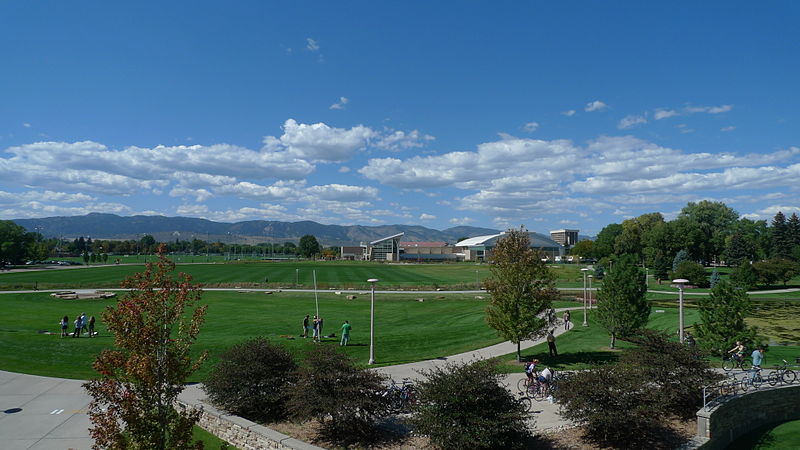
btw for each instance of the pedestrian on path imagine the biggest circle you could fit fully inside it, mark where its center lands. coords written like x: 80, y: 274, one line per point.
x: 345, y: 333
x: 566, y: 320
x: 551, y: 343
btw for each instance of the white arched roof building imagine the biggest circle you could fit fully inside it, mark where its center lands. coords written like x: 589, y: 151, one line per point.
x: 479, y: 248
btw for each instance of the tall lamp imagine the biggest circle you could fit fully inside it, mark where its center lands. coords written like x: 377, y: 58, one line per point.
x: 585, y: 323
x: 680, y: 282
x: 372, y: 322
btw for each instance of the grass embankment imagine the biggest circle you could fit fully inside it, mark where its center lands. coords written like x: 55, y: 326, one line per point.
x: 770, y: 437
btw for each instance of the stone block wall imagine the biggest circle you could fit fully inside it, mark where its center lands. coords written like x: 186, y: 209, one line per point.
x: 725, y: 422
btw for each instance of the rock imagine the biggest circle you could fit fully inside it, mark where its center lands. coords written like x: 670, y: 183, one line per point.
x: 351, y: 297
x: 420, y: 299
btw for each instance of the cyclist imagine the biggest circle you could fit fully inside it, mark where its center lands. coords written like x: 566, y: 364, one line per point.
x: 738, y: 351
x: 530, y: 370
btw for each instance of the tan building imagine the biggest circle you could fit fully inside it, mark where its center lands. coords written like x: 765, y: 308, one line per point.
x: 567, y: 238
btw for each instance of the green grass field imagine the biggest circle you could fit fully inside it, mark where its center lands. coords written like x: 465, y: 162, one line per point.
x: 406, y: 329
x: 337, y: 274
x: 771, y: 437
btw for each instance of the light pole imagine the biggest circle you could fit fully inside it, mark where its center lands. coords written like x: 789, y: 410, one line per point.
x: 590, y: 291
x: 646, y: 275
x: 585, y: 323
x: 372, y: 322
x: 477, y: 283
x: 680, y: 282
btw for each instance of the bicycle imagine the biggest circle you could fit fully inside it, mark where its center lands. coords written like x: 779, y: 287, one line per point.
x: 731, y: 362
x: 754, y: 381
x: 782, y: 375
x: 400, y: 397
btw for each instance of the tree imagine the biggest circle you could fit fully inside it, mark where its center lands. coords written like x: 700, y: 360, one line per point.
x: 154, y: 327
x: 739, y: 247
x: 584, y: 249
x: 692, y: 271
x: 604, y: 244
x: 781, y: 239
x: 464, y: 406
x: 714, y: 220
x: 715, y: 278
x: 308, y: 246
x: 345, y: 399
x: 661, y: 266
x: 622, y: 304
x: 793, y: 235
x: 775, y: 269
x: 147, y: 242
x: 722, y: 318
x: 521, y: 288
x: 252, y: 379
x: 744, y: 276
x: 16, y: 244
x: 680, y: 257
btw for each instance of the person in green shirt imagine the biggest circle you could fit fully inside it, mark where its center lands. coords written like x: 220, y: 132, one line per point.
x: 345, y: 333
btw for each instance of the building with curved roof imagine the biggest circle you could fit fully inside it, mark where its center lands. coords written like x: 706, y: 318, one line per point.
x: 479, y: 248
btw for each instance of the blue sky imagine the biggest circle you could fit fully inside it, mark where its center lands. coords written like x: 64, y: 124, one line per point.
x: 494, y: 114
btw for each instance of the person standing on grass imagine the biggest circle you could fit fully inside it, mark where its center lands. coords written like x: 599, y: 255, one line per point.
x: 84, y: 322
x: 566, y: 320
x: 91, y: 326
x: 315, y: 330
x: 345, y: 333
x: 78, y: 326
x: 64, y: 326
x: 305, y: 327
x: 320, y: 328
x: 551, y: 343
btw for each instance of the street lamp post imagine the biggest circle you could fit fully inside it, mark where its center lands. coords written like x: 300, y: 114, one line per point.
x: 590, y: 291
x: 477, y: 283
x: 585, y: 323
x: 680, y: 282
x: 372, y: 322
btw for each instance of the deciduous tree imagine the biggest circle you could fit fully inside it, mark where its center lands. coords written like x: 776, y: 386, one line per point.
x: 722, y: 315
x: 154, y: 327
x: 308, y: 246
x: 521, y: 288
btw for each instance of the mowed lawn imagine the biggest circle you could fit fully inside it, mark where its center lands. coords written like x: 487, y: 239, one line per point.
x: 336, y: 274
x: 406, y: 329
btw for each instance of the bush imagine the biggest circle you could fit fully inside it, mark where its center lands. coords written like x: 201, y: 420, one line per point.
x: 463, y: 406
x: 692, y: 271
x: 744, y: 276
x: 614, y: 403
x: 251, y: 380
x: 678, y: 370
x: 347, y: 401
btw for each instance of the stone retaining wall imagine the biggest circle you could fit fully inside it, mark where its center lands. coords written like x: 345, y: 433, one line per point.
x: 242, y: 433
x: 722, y: 424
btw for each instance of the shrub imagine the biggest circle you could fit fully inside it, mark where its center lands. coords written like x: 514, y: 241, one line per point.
x: 613, y: 403
x: 251, y: 380
x: 744, y: 276
x: 679, y: 371
x: 346, y: 400
x: 463, y: 406
x: 692, y: 271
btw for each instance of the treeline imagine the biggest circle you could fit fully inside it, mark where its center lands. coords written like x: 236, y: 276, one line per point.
x: 706, y: 233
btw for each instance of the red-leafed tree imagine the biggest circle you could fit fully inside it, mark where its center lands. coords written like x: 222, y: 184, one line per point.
x: 154, y: 327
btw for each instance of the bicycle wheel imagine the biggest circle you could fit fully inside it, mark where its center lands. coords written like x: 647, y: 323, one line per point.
x: 773, y: 378
x: 789, y: 376
x: 537, y: 392
x: 745, y: 365
x: 526, y: 403
x: 522, y: 384
x: 745, y: 384
x: 757, y: 381
x: 728, y: 364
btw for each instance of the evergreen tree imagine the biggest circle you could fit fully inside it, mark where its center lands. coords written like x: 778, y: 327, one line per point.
x: 744, y: 276
x: 680, y: 257
x: 793, y: 231
x: 622, y: 305
x: 722, y: 318
x: 781, y: 240
x: 715, y: 278
x: 661, y: 266
x: 521, y: 287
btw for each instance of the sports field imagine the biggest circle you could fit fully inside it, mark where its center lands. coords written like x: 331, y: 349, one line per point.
x: 338, y: 274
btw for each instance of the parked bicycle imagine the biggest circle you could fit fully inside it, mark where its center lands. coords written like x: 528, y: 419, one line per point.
x: 401, y: 396
x: 752, y: 381
x: 782, y: 375
x: 731, y: 362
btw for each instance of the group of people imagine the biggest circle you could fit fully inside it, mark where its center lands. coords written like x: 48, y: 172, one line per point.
x: 757, y: 356
x: 82, y: 325
x: 544, y: 376
x: 315, y: 326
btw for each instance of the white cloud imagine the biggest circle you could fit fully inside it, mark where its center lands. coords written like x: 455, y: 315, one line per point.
x: 312, y: 45
x: 26, y: 125
x: 461, y: 220
x: 340, y: 104
x: 425, y: 216
x: 319, y: 142
x: 709, y: 109
x: 596, y: 105
x: 343, y: 193
x: 630, y: 121
x: 659, y: 114
x: 400, y: 140
x: 344, y: 169
x: 728, y: 128
x: 530, y: 127
x: 569, y: 112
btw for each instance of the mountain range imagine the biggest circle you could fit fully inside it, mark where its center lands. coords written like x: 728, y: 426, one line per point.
x: 162, y: 228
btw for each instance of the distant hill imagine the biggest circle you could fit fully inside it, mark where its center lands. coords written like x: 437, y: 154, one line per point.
x: 111, y: 226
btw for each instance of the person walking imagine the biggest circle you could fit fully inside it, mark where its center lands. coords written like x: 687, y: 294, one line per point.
x: 305, y: 327
x: 91, y: 326
x: 551, y: 343
x: 566, y: 320
x: 346, y: 327
x: 64, y: 326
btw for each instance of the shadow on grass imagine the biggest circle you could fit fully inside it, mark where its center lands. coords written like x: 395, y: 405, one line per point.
x: 590, y: 358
